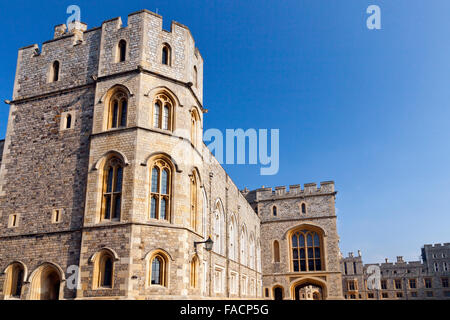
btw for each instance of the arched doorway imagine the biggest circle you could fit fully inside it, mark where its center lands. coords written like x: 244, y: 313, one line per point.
x: 278, y: 293
x: 308, y: 291
x: 46, y: 283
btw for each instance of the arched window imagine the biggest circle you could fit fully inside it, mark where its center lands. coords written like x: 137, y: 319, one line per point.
x: 195, y: 77
x: 112, y: 189
x: 276, y: 251
x: 303, y: 208
x: 166, y: 55
x: 162, y: 112
x: 233, y: 239
x: 54, y: 73
x: 306, y: 251
x: 122, y: 51
x: 278, y: 293
x: 160, y: 197
x: 118, y: 110
x: 251, y: 256
x: 195, y: 120
x: 243, y: 244
x: 14, y: 280
x: 104, y: 270
x: 258, y: 256
x: 194, y: 201
x: 158, y: 270
x: 274, y: 211
x: 194, y: 273
x: 436, y: 267
x: 205, y: 213
x: 69, y: 121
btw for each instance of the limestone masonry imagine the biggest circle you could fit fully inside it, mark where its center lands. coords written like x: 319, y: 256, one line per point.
x: 107, y: 190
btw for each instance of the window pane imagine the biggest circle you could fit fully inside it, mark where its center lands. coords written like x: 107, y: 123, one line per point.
x: 294, y: 241
x: 117, y: 206
x: 317, y: 252
x: 303, y: 265
x: 166, y: 118
x: 156, y: 271
x: 153, y: 208
x: 69, y: 122
x: 295, y: 254
x: 110, y: 179
x: 107, y: 274
x: 115, y: 114
x: 302, y: 254
x: 164, y: 182
x: 318, y: 265
x: 310, y: 241
x: 310, y: 253
x: 123, y: 118
x: 316, y: 240
x: 155, y: 180
x: 163, y: 209
x: 156, y: 115
x: 118, y: 187
x: 107, y: 206
x: 302, y: 240
x: 296, y: 269
x: 311, y: 265
x: 165, y: 55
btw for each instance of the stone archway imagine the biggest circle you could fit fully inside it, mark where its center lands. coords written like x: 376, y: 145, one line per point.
x: 308, y: 289
x: 46, y: 283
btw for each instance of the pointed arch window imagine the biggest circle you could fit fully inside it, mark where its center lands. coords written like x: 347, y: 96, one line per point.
x: 104, y: 270
x: 251, y: 257
x: 160, y: 197
x: 69, y: 121
x: 166, y: 55
x: 274, y: 211
x: 233, y: 240
x: 195, y: 120
x: 162, y: 112
x: 122, y: 51
x: 158, y: 270
x: 194, y: 273
x: 194, y: 201
x: 276, y: 251
x: 244, y: 249
x: 306, y: 251
x: 118, y: 108
x: 303, y: 208
x: 112, y: 189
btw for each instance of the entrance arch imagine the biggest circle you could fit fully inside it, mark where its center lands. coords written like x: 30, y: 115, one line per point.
x: 278, y: 293
x: 309, y: 289
x: 46, y: 283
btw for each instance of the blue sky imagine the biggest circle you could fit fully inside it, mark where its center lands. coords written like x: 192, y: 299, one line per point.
x: 367, y: 109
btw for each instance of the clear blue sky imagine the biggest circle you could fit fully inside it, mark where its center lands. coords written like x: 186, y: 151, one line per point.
x: 367, y: 109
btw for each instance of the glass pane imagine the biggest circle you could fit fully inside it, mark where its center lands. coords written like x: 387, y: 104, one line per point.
x: 166, y: 118
x: 155, y: 179
x: 303, y: 265
x: 153, y: 208
x: 302, y: 254
x: 310, y: 253
x: 318, y: 265
x: 157, y: 112
x: 310, y: 240
x: 165, y: 55
x: 117, y: 206
x: 316, y: 240
x: 115, y: 114
x: 295, y: 254
x: 123, y: 118
x: 296, y: 269
x: 156, y: 271
x: 107, y: 275
x: 317, y: 253
x: 311, y: 265
x: 163, y: 209
x: 118, y: 187
x: 107, y: 206
x: 302, y: 240
x: 294, y: 241
x: 109, y: 180
x: 165, y: 182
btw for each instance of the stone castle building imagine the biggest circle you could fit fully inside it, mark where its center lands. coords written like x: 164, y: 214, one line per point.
x: 107, y: 190
x: 426, y: 279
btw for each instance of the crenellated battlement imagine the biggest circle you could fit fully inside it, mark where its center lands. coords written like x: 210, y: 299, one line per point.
x: 309, y: 189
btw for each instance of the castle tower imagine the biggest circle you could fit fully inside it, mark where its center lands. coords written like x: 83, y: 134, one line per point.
x: 104, y: 173
x: 300, y: 243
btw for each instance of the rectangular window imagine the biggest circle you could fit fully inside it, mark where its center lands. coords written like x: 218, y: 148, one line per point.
x: 370, y: 295
x: 428, y: 283
x: 385, y: 295
x: 444, y: 282
x: 352, y: 285
x: 244, y: 285
x: 399, y: 295
x: 412, y: 283
x: 218, y: 280
x: 234, y: 282
x: 266, y: 293
x: 13, y: 221
x: 398, y: 284
x: 383, y: 284
x: 57, y: 215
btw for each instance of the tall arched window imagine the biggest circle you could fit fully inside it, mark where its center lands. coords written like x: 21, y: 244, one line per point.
x: 219, y: 222
x: 243, y: 244
x: 162, y: 112
x: 118, y: 106
x: 112, y: 189
x: 258, y: 256
x: 276, y: 251
x: 122, y: 51
x: 233, y: 239
x: 54, y: 73
x: 194, y: 273
x: 303, y: 206
x: 104, y: 270
x: 194, y: 200
x: 205, y: 213
x: 158, y: 270
x: 161, y: 181
x: 306, y: 251
x: 69, y: 121
x: 251, y: 256
x: 195, y: 120
x: 274, y: 211
x: 166, y: 55
x: 14, y: 280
